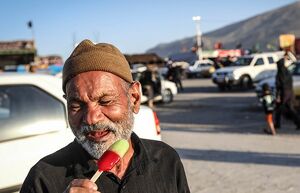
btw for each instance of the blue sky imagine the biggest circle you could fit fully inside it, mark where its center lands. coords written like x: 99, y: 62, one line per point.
x: 132, y: 25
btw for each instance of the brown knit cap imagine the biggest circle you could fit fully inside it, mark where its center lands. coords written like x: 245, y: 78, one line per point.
x: 96, y: 57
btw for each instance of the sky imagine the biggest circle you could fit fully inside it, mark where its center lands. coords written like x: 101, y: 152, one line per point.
x: 134, y: 26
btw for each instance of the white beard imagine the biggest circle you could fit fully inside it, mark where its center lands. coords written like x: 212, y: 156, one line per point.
x: 120, y: 130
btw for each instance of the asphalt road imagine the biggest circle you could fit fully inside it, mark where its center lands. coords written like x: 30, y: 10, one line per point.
x: 220, y: 140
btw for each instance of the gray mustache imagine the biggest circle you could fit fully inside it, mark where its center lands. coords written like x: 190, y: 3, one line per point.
x: 97, y: 127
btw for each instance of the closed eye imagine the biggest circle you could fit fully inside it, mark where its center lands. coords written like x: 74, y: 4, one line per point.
x: 105, y: 102
x: 75, y: 106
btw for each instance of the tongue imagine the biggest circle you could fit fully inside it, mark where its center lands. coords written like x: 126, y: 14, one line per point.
x: 99, y: 134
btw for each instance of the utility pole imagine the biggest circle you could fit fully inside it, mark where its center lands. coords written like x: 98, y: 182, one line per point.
x: 197, y: 19
x: 30, y: 26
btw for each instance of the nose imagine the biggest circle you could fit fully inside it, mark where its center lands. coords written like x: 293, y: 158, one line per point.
x: 93, y: 115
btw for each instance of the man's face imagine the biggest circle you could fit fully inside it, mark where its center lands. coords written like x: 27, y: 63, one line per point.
x: 100, y: 110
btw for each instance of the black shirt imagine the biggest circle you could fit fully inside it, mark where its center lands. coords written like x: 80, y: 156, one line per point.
x: 155, y: 168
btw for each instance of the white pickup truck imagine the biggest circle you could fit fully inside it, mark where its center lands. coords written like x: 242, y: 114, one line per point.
x: 34, y: 124
x: 244, y: 71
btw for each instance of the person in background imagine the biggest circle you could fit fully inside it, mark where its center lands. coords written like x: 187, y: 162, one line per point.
x: 102, y: 99
x: 174, y: 75
x: 227, y: 61
x: 284, y: 94
x: 151, y: 84
x: 217, y: 63
x: 268, y: 101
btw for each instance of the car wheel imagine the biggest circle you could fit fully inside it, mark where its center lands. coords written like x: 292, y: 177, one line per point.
x: 246, y: 82
x: 167, y: 96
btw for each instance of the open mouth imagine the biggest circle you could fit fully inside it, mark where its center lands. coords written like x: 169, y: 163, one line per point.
x: 98, y: 135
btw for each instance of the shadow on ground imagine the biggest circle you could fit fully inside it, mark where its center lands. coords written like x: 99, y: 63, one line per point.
x: 279, y: 159
x: 213, y: 89
x: 234, y: 114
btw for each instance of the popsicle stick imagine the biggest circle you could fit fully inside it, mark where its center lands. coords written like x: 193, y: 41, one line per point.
x: 96, y: 176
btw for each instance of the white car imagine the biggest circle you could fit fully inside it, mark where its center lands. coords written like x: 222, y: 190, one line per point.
x: 294, y: 68
x: 201, y: 68
x: 244, y: 71
x: 34, y: 124
x: 289, y: 63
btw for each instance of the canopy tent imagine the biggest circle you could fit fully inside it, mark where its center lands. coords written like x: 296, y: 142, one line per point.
x: 145, y: 59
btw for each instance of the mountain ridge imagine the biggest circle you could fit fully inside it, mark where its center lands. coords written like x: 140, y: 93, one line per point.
x: 260, y: 32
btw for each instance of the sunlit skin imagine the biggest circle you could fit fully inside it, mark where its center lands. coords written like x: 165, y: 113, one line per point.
x: 99, y: 97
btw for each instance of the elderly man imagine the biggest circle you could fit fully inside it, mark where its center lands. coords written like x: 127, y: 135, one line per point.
x: 102, y: 98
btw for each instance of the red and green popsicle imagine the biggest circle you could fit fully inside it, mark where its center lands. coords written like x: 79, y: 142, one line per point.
x: 111, y: 157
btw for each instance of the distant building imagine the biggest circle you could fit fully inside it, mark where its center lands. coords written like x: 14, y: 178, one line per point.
x: 146, y: 59
x: 14, y: 53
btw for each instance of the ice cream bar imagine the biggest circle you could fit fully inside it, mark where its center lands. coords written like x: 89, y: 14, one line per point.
x: 111, y: 157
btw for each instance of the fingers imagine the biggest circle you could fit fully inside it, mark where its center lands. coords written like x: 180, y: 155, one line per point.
x: 82, y: 185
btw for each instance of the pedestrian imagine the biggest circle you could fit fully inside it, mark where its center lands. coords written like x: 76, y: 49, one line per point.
x: 174, y: 75
x: 268, y: 101
x: 284, y: 95
x: 151, y: 84
x: 228, y: 61
x: 102, y: 98
x: 217, y: 63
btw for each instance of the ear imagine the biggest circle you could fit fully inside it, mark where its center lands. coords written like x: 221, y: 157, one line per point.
x: 135, y: 96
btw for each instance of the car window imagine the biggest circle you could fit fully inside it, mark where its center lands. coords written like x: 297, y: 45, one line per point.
x: 242, y: 61
x: 259, y: 61
x: 27, y: 110
x: 271, y: 60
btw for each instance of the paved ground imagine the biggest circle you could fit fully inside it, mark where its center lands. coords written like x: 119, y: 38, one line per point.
x: 220, y: 140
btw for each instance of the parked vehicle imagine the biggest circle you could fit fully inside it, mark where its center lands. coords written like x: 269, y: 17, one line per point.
x: 201, y: 68
x: 168, y: 89
x: 244, y: 70
x: 294, y: 68
x: 34, y: 124
x: 272, y: 73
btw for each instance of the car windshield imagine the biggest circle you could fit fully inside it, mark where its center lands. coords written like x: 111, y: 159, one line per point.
x: 296, y: 70
x: 242, y: 61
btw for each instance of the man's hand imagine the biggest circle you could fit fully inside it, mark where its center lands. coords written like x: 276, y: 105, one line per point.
x: 81, y: 186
